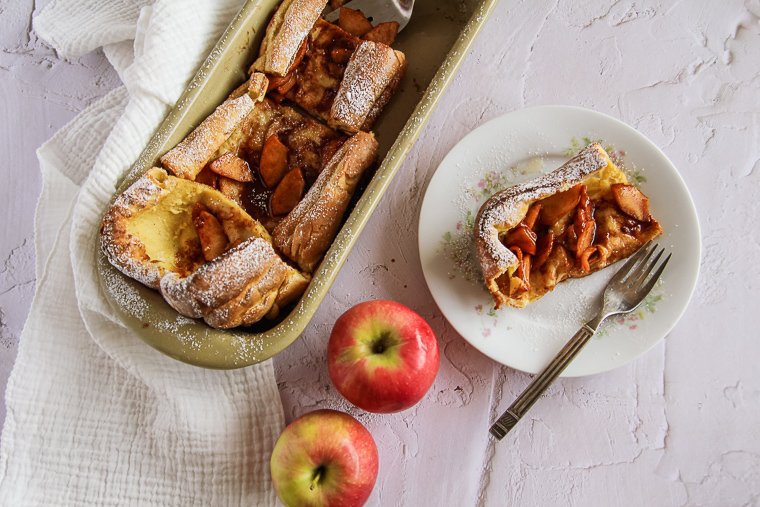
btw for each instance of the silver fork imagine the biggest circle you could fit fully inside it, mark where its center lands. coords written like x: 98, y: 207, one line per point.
x: 625, y: 291
x: 380, y: 11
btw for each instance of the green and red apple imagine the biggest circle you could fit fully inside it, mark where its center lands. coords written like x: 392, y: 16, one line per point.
x: 324, y: 458
x: 382, y: 356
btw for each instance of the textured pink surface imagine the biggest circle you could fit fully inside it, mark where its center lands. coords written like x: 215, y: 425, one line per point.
x: 679, y: 426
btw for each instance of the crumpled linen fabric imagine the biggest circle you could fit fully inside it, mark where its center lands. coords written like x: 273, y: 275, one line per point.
x: 94, y: 415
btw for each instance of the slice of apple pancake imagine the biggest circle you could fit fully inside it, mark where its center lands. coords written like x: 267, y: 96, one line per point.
x: 569, y: 223
x: 206, y: 255
x: 344, y: 74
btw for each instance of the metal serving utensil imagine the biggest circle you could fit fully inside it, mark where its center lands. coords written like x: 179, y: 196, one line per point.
x: 380, y: 11
x: 625, y: 291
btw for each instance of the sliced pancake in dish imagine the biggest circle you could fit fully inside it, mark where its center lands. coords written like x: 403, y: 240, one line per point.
x: 332, y: 73
x: 173, y: 234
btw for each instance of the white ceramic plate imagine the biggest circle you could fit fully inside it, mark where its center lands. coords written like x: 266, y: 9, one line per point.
x: 517, y: 147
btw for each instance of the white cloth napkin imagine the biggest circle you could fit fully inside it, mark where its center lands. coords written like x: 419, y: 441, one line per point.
x: 95, y: 416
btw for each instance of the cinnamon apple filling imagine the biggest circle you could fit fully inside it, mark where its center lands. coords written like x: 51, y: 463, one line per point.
x: 569, y: 234
x: 319, y: 67
x: 343, y: 74
x: 271, y: 160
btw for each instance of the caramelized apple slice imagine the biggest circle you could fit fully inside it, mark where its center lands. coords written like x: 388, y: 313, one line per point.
x: 274, y: 161
x: 585, y: 209
x: 532, y: 216
x: 232, y: 189
x: 353, y: 21
x: 276, y: 81
x: 521, y: 237
x: 584, y: 258
x: 585, y: 238
x: 519, y: 282
x: 631, y: 201
x: 584, y: 225
x: 559, y: 205
x: 210, y: 232
x: 232, y: 167
x: 544, y: 248
x: 526, y: 265
x: 288, y: 193
x: 384, y: 32
x: 282, y: 85
x: 299, y: 56
x: 208, y: 177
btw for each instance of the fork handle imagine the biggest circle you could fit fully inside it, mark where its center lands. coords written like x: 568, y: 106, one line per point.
x: 542, y: 381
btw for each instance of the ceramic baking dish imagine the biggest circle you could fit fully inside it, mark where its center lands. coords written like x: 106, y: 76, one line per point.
x: 435, y: 42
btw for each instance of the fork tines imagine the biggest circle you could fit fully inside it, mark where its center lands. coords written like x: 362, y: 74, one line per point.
x: 635, y: 273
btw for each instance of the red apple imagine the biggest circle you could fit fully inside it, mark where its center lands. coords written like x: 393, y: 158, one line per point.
x: 382, y: 356
x: 324, y: 458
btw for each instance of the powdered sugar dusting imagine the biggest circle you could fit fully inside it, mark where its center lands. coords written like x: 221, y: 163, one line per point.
x: 285, y: 34
x: 121, y: 249
x: 306, y: 233
x: 183, y: 329
x: 229, y: 271
x: 370, y: 70
x: 122, y: 291
x: 196, y: 150
x: 251, y: 269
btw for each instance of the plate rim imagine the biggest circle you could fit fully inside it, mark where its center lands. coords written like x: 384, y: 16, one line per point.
x: 691, y: 212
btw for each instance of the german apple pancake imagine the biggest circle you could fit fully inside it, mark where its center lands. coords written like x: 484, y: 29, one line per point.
x: 343, y: 79
x: 568, y: 223
x: 258, y: 190
x: 274, y: 141
x: 370, y: 80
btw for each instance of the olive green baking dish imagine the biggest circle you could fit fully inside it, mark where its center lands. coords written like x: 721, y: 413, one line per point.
x: 435, y: 42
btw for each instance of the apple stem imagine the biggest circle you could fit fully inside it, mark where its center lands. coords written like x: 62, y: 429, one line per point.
x: 315, y: 480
